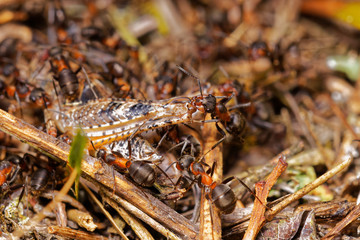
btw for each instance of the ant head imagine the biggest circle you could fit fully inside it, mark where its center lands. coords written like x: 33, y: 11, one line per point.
x: 116, y: 69
x: 258, y: 50
x: 204, y: 104
x: 35, y: 94
x: 101, y: 154
x: 209, y: 103
x: 191, y: 146
x: 55, y: 52
x: 15, y: 159
x: 185, y: 162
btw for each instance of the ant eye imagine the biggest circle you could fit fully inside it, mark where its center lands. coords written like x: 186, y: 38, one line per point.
x: 180, y: 166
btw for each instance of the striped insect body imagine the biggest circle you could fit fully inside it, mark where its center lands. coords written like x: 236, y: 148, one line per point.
x: 108, y: 120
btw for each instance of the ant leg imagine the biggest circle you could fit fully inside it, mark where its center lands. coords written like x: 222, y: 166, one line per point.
x: 139, y: 91
x: 163, y: 138
x: 14, y: 174
x: 169, y: 166
x: 206, y: 121
x: 245, y: 186
x: 173, y: 147
x: 87, y: 80
x: 113, y: 175
x: 184, y: 146
x: 227, y: 99
x: 218, y: 142
x: 19, y: 104
x: 132, y: 136
x: 193, y: 76
x: 21, y: 195
x: 51, y: 128
x: 241, y: 105
x: 56, y: 92
x: 53, y: 69
x: 196, y: 212
x: 164, y: 172
x: 78, y: 70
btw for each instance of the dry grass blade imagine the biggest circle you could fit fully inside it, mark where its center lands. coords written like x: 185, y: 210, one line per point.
x: 262, y: 189
x: 340, y: 114
x: 210, y: 221
x: 93, y: 170
x: 296, y: 111
x: 109, y: 197
x: 73, y: 234
x: 136, y: 225
x: 106, y: 213
x: 352, y: 216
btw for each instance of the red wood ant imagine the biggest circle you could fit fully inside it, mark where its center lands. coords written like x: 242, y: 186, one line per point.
x: 117, y: 154
x: 234, y: 123
x: 9, y: 168
x: 220, y: 194
x: 67, y: 79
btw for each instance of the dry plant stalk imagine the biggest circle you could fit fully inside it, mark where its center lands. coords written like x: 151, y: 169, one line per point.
x: 61, y: 217
x: 93, y: 170
x: 262, y: 189
x: 73, y: 234
x: 210, y: 221
x: 83, y: 219
x: 308, y: 188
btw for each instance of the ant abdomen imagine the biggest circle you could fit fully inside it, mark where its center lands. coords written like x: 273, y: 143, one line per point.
x: 142, y: 173
x: 69, y: 83
x: 236, y: 125
x: 224, y: 198
x: 39, y: 179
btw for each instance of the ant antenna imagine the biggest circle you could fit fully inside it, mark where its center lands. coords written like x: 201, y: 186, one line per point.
x: 43, y: 97
x: 57, y: 94
x: 92, y: 144
x: 193, y: 76
x: 223, y: 71
x: 19, y: 104
x: 88, y: 81
x: 59, y: 112
x: 241, y: 105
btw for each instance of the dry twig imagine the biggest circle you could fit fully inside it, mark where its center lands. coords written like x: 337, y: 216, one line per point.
x: 210, y: 221
x: 257, y: 219
x: 93, y: 170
